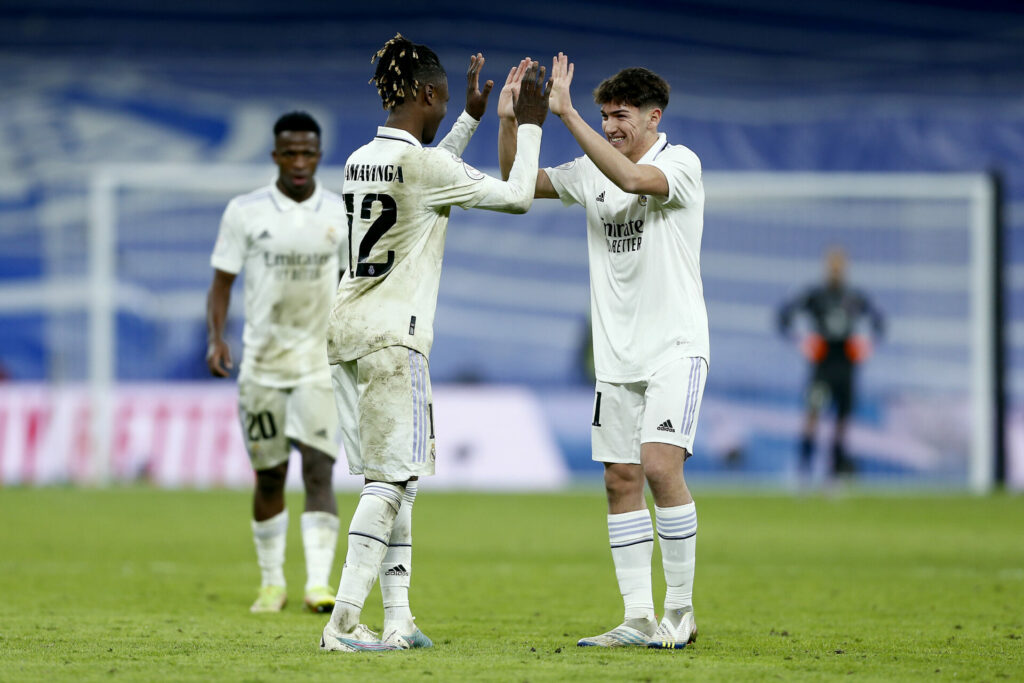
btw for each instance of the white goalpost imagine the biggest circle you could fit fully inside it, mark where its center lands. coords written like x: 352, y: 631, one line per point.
x: 960, y: 204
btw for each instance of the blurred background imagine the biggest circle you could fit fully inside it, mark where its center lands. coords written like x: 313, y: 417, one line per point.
x: 893, y: 130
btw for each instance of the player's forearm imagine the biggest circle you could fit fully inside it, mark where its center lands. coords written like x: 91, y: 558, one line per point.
x: 507, y: 131
x: 217, y: 302
x: 516, y: 194
x: 629, y: 177
x: 458, y: 137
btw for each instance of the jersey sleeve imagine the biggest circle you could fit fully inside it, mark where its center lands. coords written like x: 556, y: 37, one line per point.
x: 567, y: 180
x: 458, y: 137
x: 229, y: 251
x: 456, y: 183
x: 683, y: 172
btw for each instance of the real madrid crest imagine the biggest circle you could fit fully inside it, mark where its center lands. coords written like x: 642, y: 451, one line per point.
x: 642, y: 200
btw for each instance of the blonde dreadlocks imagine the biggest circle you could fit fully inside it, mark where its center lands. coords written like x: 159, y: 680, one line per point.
x: 401, y: 66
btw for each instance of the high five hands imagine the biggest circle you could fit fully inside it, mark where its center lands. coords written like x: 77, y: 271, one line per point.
x: 531, y: 106
x: 559, y: 102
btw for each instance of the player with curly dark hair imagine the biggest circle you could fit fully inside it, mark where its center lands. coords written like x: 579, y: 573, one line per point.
x: 398, y: 196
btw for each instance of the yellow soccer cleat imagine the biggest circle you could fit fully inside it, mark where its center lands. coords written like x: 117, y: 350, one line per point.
x: 319, y: 599
x: 270, y: 599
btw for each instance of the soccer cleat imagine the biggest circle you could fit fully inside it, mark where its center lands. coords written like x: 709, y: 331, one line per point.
x: 406, y: 642
x: 624, y: 635
x: 319, y: 599
x: 670, y: 636
x: 270, y: 599
x: 360, y: 639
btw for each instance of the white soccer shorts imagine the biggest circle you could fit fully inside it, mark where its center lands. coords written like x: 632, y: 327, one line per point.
x: 386, y: 411
x: 272, y: 418
x: 662, y: 409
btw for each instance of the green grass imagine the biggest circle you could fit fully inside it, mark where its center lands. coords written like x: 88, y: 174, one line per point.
x: 141, y: 584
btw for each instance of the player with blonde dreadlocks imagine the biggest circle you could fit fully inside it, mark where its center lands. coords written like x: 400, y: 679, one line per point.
x: 398, y: 196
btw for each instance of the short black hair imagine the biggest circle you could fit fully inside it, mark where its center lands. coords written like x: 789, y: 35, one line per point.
x: 401, y: 67
x: 635, y: 86
x: 296, y: 121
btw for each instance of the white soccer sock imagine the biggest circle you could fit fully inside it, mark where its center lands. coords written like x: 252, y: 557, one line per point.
x: 677, y: 531
x: 269, y: 537
x: 319, y: 539
x: 396, y: 569
x: 632, y: 541
x: 367, y: 542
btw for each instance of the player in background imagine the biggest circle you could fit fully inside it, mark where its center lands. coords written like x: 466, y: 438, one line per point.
x: 834, y: 349
x: 644, y: 200
x: 399, y: 195
x: 287, y: 236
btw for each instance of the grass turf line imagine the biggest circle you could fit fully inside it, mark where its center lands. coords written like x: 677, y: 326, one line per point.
x: 141, y: 584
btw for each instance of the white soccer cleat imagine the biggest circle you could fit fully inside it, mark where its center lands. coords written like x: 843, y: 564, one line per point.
x: 359, y: 639
x: 675, y: 636
x: 405, y: 639
x: 625, y: 634
x: 270, y: 599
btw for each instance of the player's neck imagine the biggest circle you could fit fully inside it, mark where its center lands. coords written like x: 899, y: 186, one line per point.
x: 298, y: 195
x: 406, y: 120
x: 649, y: 140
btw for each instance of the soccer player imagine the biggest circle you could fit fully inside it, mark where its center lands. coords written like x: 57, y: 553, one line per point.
x: 399, y: 195
x: 644, y: 200
x: 834, y: 349
x: 287, y: 236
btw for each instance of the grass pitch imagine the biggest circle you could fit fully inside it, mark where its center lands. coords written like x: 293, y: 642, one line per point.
x: 140, y: 584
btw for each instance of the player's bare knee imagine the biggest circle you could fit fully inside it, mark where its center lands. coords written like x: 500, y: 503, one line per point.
x: 270, y: 482
x: 317, y: 469
x: 624, y: 484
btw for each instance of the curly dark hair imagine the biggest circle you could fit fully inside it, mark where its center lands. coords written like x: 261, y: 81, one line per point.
x: 296, y: 121
x: 635, y: 86
x: 402, y: 66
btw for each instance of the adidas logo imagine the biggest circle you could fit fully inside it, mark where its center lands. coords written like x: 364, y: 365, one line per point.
x: 322, y: 433
x: 265, y: 235
x: 397, y: 570
x: 600, y: 197
x: 666, y: 426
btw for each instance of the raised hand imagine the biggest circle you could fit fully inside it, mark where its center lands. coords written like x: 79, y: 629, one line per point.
x: 510, y: 92
x: 561, y: 79
x: 532, y: 104
x: 476, y: 100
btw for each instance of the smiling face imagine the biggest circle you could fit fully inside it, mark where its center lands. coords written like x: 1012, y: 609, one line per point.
x: 629, y: 129
x: 296, y: 154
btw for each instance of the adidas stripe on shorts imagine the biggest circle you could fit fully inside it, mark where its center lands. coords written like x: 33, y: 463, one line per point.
x: 272, y: 418
x: 662, y: 409
x: 386, y: 411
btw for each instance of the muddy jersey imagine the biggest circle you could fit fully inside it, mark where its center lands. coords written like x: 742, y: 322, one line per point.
x: 398, y: 197
x: 289, y: 251
x: 646, y: 294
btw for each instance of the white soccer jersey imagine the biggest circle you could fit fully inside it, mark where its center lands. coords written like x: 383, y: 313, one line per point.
x: 398, y: 196
x: 646, y: 295
x: 290, y: 254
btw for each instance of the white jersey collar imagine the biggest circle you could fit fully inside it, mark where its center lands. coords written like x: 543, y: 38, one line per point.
x: 387, y: 133
x: 660, y: 144
x: 285, y: 203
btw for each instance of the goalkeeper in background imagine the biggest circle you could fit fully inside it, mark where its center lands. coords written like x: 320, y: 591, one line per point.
x: 834, y: 349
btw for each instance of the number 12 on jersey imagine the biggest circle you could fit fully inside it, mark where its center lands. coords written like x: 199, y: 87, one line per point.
x: 384, y: 222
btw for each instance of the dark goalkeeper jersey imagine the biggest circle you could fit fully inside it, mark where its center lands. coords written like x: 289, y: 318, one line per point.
x: 835, y: 313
